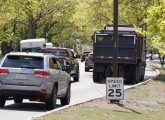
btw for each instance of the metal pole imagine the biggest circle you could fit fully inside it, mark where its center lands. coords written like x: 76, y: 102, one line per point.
x: 115, y: 41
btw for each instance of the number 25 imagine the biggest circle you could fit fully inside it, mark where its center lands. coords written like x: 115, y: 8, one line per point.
x: 118, y: 92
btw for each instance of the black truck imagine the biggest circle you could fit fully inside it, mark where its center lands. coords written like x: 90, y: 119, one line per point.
x: 131, y: 54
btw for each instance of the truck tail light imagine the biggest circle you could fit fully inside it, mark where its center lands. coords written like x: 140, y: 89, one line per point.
x: 4, y: 71
x: 42, y: 73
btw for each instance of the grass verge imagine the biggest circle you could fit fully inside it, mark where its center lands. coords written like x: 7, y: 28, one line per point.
x: 145, y: 102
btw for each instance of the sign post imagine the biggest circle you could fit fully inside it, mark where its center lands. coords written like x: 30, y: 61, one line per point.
x: 115, y: 84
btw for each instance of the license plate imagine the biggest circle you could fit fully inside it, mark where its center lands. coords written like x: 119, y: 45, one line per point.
x: 20, y: 76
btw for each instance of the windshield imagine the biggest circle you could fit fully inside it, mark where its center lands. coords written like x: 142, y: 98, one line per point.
x: 23, y: 62
x: 37, y: 49
x: 56, y: 52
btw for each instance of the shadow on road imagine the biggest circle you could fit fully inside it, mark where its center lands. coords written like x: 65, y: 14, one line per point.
x: 25, y: 106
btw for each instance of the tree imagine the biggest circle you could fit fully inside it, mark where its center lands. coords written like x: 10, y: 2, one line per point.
x: 156, y: 28
x: 36, y: 18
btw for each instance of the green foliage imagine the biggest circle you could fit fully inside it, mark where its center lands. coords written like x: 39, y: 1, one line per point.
x: 68, y: 20
x: 156, y: 27
x: 50, y: 19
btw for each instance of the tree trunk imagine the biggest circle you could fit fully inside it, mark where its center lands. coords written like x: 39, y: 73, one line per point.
x: 31, y: 33
x: 161, y: 58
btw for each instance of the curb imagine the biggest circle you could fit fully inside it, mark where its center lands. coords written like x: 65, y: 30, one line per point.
x: 71, y: 105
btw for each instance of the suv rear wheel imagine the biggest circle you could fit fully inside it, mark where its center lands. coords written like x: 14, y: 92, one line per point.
x: 2, y: 102
x: 86, y: 69
x: 66, y: 99
x: 51, y: 102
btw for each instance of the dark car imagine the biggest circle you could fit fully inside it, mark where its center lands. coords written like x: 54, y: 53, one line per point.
x: 33, y: 76
x: 89, y: 62
x: 67, y: 58
x: 84, y: 55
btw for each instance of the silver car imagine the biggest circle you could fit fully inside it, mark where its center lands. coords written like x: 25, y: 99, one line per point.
x: 33, y: 76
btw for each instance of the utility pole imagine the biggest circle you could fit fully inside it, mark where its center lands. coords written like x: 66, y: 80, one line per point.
x: 115, y: 94
x: 115, y: 40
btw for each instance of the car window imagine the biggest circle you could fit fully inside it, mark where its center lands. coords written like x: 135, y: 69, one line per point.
x: 36, y: 49
x: 57, y: 64
x: 51, y: 63
x: 91, y: 56
x: 57, y: 52
x: 16, y: 61
x: 86, y: 54
x: 70, y: 54
x: 74, y: 54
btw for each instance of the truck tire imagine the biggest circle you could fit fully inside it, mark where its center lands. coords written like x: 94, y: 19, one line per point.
x: 142, y: 78
x: 135, y: 75
x: 66, y: 99
x: 98, y: 77
x: 2, y: 102
x: 95, y: 76
x: 142, y: 72
x: 127, y: 75
x: 51, y: 102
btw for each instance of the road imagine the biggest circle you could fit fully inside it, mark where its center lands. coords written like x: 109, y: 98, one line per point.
x: 81, y: 91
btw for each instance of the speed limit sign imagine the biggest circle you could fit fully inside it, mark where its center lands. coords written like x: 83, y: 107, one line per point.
x: 115, y: 88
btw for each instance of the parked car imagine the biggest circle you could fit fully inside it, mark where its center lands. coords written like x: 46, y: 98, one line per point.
x: 67, y: 58
x: 153, y: 56
x: 33, y: 76
x: 84, y: 55
x: 89, y: 62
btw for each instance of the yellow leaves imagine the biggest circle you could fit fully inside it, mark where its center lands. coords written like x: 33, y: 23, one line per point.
x: 4, y: 19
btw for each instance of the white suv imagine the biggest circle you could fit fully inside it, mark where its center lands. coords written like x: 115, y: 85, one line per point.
x: 33, y: 76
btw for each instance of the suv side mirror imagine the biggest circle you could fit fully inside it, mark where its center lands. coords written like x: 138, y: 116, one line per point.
x: 66, y: 68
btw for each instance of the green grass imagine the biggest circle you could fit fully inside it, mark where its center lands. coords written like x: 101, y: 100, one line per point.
x: 87, y: 113
x: 145, y: 102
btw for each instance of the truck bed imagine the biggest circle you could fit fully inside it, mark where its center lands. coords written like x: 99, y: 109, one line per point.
x: 103, y: 48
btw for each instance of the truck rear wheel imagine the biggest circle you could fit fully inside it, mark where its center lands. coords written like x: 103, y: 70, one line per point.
x: 94, y: 76
x: 142, y: 78
x: 142, y: 73
x: 127, y: 75
x: 135, y: 75
x: 98, y: 77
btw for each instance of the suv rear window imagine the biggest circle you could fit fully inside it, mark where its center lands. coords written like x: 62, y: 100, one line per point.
x: 56, y: 52
x: 91, y: 56
x: 23, y: 62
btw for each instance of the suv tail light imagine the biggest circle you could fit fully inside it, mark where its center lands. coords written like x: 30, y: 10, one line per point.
x: 42, y: 73
x: 4, y: 71
x: 87, y: 58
